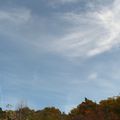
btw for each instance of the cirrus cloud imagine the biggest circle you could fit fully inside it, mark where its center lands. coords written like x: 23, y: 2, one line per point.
x: 17, y: 16
x: 92, y: 33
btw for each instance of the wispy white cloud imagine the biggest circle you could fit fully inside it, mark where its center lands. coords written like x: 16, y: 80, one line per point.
x: 63, y: 1
x: 92, y: 33
x: 17, y: 16
x: 88, y: 33
x: 93, y: 76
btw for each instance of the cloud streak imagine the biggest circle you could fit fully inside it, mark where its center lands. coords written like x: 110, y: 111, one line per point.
x: 88, y: 34
x: 91, y: 34
x: 17, y: 16
x: 63, y: 1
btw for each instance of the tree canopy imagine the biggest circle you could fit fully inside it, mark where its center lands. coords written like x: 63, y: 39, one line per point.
x: 108, y: 109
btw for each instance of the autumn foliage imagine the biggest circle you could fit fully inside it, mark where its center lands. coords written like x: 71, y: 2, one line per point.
x: 88, y: 110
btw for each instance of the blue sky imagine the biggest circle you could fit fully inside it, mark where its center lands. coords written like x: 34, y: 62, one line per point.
x: 56, y: 52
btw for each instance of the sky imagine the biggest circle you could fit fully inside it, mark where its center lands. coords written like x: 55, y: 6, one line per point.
x: 57, y: 52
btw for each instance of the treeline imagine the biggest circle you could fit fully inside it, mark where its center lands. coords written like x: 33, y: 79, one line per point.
x: 88, y: 110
